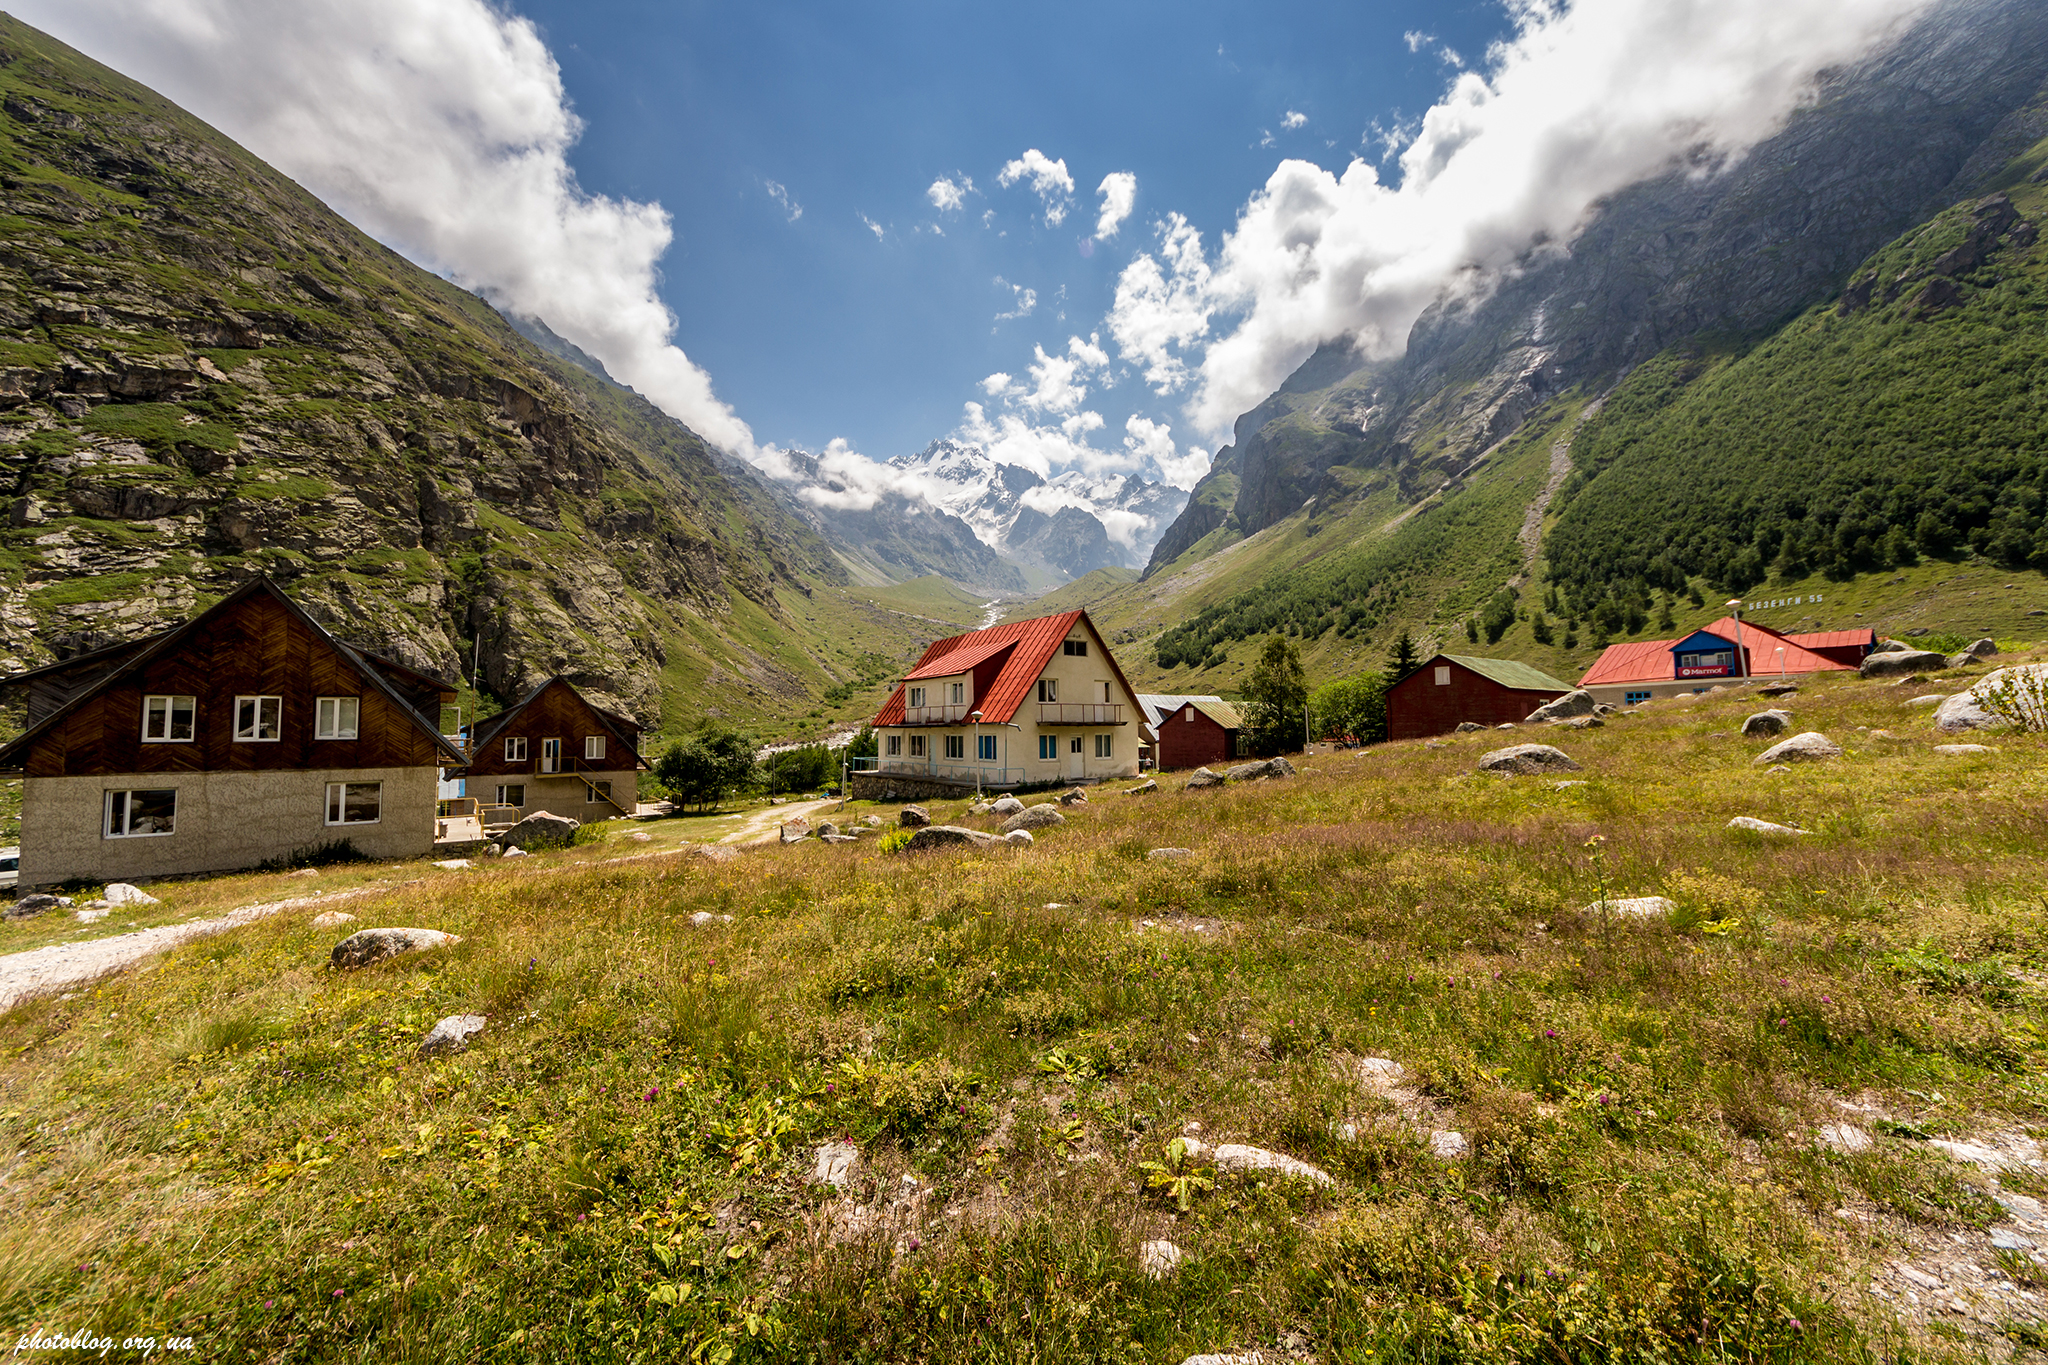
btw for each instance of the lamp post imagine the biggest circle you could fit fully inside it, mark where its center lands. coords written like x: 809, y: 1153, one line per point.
x: 1741, y: 664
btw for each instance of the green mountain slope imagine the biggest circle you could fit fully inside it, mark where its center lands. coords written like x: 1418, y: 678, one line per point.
x: 205, y: 375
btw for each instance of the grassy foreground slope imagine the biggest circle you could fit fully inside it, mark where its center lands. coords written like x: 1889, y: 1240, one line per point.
x: 240, y: 1145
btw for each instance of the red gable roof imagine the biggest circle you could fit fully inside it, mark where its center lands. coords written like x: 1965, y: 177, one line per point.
x: 1031, y: 645
x: 1835, y: 639
x: 1650, y: 660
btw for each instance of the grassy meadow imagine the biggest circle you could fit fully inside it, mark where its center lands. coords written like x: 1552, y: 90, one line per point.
x: 240, y: 1146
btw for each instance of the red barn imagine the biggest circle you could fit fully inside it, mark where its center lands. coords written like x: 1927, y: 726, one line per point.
x: 1192, y: 731
x: 1453, y: 688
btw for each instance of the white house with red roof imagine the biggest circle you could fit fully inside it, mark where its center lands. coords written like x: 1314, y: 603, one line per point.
x: 1030, y: 702
x: 1726, y: 651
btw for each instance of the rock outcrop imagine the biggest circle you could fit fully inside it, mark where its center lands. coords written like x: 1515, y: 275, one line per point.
x: 1810, y: 747
x: 1527, y: 759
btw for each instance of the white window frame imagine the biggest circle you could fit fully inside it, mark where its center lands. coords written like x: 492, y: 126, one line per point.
x: 337, y: 803
x: 241, y: 733
x: 917, y: 746
x: 959, y: 697
x: 956, y: 747
x: 168, y: 710
x: 515, y: 748
x: 1048, y: 690
x: 128, y: 795
x: 551, y: 756
x: 593, y: 748
x: 894, y: 748
x: 1105, y: 746
x: 505, y: 787
x: 327, y: 717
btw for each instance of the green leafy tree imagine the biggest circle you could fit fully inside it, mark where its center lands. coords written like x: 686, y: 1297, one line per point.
x: 1539, y: 626
x: 1403, y: 660
x: 1273, y: 698
x: 864, y: 744
x: 804, y: 768
x: 1354, y: 707
x: 707, y: 767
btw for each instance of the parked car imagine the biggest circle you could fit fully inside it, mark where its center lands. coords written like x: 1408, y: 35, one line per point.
x: 10, y: 865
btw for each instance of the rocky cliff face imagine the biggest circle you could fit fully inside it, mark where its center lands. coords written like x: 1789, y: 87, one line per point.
x: 1735, y: 253
x: 206, y: 375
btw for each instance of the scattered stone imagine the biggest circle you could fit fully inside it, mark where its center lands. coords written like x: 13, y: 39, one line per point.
x: 1076, y: 797
x: 332, y: 919
x: 1466, y: 727
x: 1230, y: 1358
x: 1167, y: 855
x: 1006, y: 806
x: 1578, y: 702
x: 1158, y: 1259
x: 713, y: 853
x: 1756, y: 826
x: 366, y: 946
x: 1380, y: 1074
x: 1032, y: 817
x: 1020, y: 837
x: 304, y: 872
x: 1772, y: 722
x: 1145, y: 788
x: 2005, y: 1239
x: 948, y: 836
x: 454, y: 864
x: 1581, y: 723
x: 1505, y: 725
x: 1202, y: 777
x: 451, y: 1034
x: 837, y: 839
x: 1810, y: 747
x: 1961, y: 750
x: 541, y: 829
x: 641, y: 836
x: 2026, y: 684
x: 1528, y: 759
x: 794, y: 830
x: 1569, y: 782
x: 978, y: 807
x: 1981, y: 649
x: 824, y: 828
x: 1448, y: 1146
x: 704, y: 917
x: 90, y: 916
x: 493, y: 851
x: 28, y: 907
x: 1777, y: 768
x: 913, y: 817
x: 1994, y: 1152
x: 514, y: 851
x: 1931, y: 699
x: 1635, y: 907
x: 121, y: 893
x: 1235, y: 1156
x: 1893, y: 663
x: 1961, y: 660
x: 835, y: 1164
x: 872, y: 821
x: 1889, y: 647
x: 1844, y: 1137
x: 1253, y: 772
x: 1779, y: 690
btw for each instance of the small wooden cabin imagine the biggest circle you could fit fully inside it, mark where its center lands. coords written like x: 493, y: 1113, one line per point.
x: 1191, y: 731
x: 555, y: 751
x: 1451, y: 689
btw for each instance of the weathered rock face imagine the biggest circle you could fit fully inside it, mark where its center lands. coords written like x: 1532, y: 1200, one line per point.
x: 2022, y: 689
x: 1527, y: 759
x: 1033, y: 817
x: 949, y: 836
x: 1898, y: 663
x: 1810, y: 747
x: 220, y: 377
x: 913, y: 817
x: 452, y: 1034
x: 1575, y: 703
x: 542, y: 829
x: 1253, y: 772
x: 374, y: 945
x: 1772, y: 722
x: 1202, y: 777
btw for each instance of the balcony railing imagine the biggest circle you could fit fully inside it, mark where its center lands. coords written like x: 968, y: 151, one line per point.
x: 936, y: 715
x: 1080, y: 713
x: 952, y: 770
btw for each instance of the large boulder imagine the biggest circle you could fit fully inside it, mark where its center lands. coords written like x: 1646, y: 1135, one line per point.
x: 1032, y: 817
x: 1252, y: 772
x: 913, y: 817
x: 121, y: 893
x: 1006, y: 806
x: 1981, y: 649
x: 1020, y: 837
x: 948, y: 836
x: 29, y: 906
x: 1888, y: 647
x: 1575, y: 703
x: 2023, y: 687
x: 1202, y: 777
x: 540, y: 830
x: 362, y: 948
x: 1076, y: 797
x: 1897, y: 663
x: 1771, y: 722
x: 1810, y: 747
x: 1527, y: 759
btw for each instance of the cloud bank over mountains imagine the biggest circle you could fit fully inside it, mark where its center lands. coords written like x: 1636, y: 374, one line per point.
x: 441, y: 128
x: 1585, y: 100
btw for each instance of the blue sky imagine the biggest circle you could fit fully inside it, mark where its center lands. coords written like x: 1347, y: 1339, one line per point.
x: 814, y: 328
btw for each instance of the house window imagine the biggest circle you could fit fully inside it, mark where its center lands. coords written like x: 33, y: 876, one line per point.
x: 1048, y: 689
x: 1075, y: 649
x: 1048, y: 746
x: 1074, y: 745
x: 895, y: 747
x: 551, y: 755
x: 257, y: 718
x: 593, y: 747
x: 337, y: 717
x: 597, y: 792
x: 1634, y: 698
x: 985, y: 748
x: 355, y: 803
x: 917, y: 746
x: 168, y: 720
x: 1103, y: 747
x: 959, y: 696
x: 1189, y: 715
x: 515, y: 750
x: 1443, y: 675
x: 917, y: 696
x: 1105, y: 694
x: 133, y: 813
x: 512, y: 794
x: 956, y: 746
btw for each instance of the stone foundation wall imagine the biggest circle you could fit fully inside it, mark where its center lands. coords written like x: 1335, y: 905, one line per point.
x: 904, y: 787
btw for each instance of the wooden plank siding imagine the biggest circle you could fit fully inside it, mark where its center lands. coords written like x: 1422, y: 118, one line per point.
x: 256, y: 647
x: 557, y: 712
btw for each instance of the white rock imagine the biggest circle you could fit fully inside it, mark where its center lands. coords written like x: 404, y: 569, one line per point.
x: 641, y: 836
x: 332, y: 919
x: 453, y: 864
x: 1526, y: 759
x: 1167, y: 855
x: 121, y: 893
x: 451, y: 1034
x: 1807, y: 748
x: 1231, y: 1358
x: 1914, y: 1275
x: 835, y: 1164
x: 1844, y: 1137
x: 1448, y: 1146
x: 1006, y: 805
x: 2025, y: 1209
x: 1968, y: 711
x: 1158, y: 1259
x: 1756, y: 826
x: 1380, y: 1073
x: 514, y: 851
x: 1931, y: 699
x: 2007, y: 1240
x: 90, y: 916
x: 1961, y: 750
x: 1019, y: 837
x: 365, y: 946
x: 2009, y: 1151
x: 1235, y: 1156
x: 1636, y: 907
x: 704, y: 917
x: 1575, y: 703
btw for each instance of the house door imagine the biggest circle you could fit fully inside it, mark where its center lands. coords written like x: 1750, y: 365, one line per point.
x: 1074, y: 757
x: 551, y: 755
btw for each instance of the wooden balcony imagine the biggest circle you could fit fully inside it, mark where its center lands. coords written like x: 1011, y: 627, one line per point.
x: 1080, y: 713
x: 937, y: 715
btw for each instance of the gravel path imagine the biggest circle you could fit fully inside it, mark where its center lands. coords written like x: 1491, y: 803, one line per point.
x: 42, y: 970
x: 762, y: 823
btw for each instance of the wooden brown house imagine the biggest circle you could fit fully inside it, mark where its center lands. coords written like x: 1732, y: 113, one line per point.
x: 1191, y: 731
x: 246, y: 734
x: 1451, y: 689
x: 556, y: 751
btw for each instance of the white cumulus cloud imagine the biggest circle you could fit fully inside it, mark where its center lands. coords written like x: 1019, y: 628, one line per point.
x: 441, y: 128
x: 1119, y: 191
x: 1048, y: 179
x: 1417, y: 39
x: 947, y: 194
x: 1024, y: 300
x: 1583, y: 101
x: 1294, y: 119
